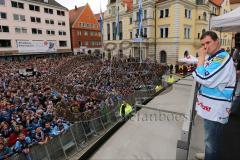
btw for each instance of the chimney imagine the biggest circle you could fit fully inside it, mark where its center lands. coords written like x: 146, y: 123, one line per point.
x: 75, y: 7
x: 45, y: 1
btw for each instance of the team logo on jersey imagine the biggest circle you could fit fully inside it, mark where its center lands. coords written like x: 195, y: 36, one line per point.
x: 219, y: 58
x: 204, y: 107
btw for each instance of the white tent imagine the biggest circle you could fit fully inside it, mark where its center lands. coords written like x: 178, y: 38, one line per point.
x: 229, y: 22
x: 189, y: 60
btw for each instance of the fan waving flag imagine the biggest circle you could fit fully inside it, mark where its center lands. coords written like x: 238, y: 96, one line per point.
x: 139, y: 17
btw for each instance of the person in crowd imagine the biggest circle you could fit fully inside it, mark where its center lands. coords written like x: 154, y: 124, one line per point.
x: 23, y: 146
x: 5, y: 152
x: 217, y: 81
x: 60, y: 127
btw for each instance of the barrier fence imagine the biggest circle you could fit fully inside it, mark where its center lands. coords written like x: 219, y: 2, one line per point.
x: 73, y: 140
x: 79, y: 134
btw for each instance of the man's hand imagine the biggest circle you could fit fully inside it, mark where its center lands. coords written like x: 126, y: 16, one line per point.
x: 202, y: 53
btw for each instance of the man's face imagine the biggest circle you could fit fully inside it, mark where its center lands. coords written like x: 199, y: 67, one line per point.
x: 210, y: 45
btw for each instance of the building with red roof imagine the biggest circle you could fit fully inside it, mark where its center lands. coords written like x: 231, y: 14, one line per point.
x: 85, y: 30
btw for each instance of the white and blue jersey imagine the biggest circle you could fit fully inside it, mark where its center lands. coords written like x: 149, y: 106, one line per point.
x: 217, y: 78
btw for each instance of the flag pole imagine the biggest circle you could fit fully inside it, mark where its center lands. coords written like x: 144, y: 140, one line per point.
x: 140, y: 27
x: 101, y: 28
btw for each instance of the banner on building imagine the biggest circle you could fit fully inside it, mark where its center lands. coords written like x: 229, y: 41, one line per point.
x: 25, y: 46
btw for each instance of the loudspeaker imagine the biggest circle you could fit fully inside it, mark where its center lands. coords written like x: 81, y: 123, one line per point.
x: 237, y: 40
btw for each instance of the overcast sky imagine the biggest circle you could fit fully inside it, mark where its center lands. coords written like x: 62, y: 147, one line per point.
x: 94, y: 4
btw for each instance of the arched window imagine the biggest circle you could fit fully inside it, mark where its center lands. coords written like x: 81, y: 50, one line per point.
x: 186, y: 54
x: 163, y: 57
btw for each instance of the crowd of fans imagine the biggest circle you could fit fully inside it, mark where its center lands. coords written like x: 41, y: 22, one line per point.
x: 34, y: 109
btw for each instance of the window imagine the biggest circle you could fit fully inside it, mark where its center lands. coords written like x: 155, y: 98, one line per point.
x: 5, y: 43
x: 36, y: 31
x: 114, y: 30
x: 24, y: 30
x: 63, y: 43
x: 108, y: 31
x: 20, y: 30
x: 4, y: 29
x: 145, y: 14
x: 35, y: 19
x: 130, y: 35
x: 188, y: 13
x: 164, y: 13
x: 130, y: 20
x: 3, y: 15
x: 61, y: 23
x: 17, y: 5
x: 49, y: 21
x: 164, y: 32
x: 204, y: 16
x: 62, y: 33
x: 60, y: 13
x: 161, y: 13
x: 18, y: 17
x: 34, y: 8
x: 50, y: 32
x: 145, y: 33
x: 2, y: 2
x: 48, y: 10
x: 187, y: 32
x: 163, y: 57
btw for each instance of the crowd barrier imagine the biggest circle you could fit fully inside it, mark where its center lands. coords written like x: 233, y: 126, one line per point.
x: 78, y: 136
x: 73, y: 140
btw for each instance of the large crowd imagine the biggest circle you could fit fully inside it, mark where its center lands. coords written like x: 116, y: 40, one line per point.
x: 36, y: 108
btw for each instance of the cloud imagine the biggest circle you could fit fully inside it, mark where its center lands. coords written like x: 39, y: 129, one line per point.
x: 94, y: 4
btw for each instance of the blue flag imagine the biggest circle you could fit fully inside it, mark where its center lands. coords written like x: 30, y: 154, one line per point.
x: 117, y: 23
x: 139, y: 17
x: 101, y: 19
x: 101, y: 23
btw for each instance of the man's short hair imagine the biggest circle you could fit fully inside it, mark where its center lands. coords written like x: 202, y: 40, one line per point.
x: 211, y: 34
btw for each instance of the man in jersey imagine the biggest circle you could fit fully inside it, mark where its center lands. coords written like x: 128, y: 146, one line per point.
x: 216, y: 76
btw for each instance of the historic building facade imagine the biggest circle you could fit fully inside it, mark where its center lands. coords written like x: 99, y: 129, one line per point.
x: 171, y: 29
x: 30, y: 27
x: 85, y: 31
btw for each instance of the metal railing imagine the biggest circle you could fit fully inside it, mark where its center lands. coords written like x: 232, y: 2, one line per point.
x: 81, y: 132
x: 73, y: 140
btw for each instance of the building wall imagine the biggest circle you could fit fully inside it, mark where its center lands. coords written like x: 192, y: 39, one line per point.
x: 86, y: 17
x: 29, y: 25
x: 124, y: 45
x: 176, y: 44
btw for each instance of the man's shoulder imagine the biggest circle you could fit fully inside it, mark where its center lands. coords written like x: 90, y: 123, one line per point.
x: 221, y: 57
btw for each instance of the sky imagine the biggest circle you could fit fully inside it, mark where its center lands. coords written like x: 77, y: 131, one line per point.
x: 94, y: 4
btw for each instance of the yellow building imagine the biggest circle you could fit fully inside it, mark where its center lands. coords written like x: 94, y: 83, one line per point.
x: 173, y: 33
x: 114, y: 44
